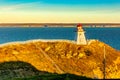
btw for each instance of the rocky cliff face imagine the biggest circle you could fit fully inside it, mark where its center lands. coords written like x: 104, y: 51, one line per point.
x: 66, y: 57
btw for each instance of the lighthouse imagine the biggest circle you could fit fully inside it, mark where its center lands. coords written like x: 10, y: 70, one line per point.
x: 81, y: 40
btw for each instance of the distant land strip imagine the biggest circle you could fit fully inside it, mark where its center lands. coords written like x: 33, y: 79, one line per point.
x: 59, y: 24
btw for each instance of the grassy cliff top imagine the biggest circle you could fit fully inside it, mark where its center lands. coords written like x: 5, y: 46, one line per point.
x: 65, y: 57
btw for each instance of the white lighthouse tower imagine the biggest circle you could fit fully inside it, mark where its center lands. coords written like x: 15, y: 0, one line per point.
x: 81, y: 40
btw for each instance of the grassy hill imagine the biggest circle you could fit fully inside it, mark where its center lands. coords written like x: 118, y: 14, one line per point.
x: 62, y: 57
x: 17, y: 70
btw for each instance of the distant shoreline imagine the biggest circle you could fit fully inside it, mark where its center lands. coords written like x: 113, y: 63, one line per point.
x: 59, y: 24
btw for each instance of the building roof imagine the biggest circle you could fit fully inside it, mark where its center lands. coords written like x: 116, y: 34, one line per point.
x: 79, y: 25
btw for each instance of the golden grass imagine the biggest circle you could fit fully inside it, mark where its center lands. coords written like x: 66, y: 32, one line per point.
x: 69, y: 57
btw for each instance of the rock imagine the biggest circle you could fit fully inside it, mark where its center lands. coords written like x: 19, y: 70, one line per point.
x: 47, y: 49
x: 68, y: 56
x: 98, y: 74
x: 81, y: 55
x: 15, y: 52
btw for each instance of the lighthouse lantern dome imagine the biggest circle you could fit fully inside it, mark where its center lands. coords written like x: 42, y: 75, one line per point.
x: 79, y: 25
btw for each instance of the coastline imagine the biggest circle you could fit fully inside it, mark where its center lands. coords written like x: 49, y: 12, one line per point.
x: 37, y: 40
x: 47, y: 40
x: 58, y: 24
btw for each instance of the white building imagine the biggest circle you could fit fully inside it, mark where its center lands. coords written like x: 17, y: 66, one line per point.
x: 81, y: 40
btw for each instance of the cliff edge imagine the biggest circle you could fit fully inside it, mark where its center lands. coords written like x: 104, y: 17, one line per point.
x: 66, y: 57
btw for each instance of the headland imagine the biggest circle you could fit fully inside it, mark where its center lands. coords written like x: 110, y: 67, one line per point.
x: 65, y: 57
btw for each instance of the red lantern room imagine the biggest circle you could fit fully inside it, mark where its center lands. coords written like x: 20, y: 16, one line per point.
x: 79, y: 27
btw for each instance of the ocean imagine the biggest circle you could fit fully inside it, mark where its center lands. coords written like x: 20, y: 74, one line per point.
x: 110, y: 36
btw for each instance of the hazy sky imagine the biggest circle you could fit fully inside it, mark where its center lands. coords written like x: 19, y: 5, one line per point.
x: 60, y: 11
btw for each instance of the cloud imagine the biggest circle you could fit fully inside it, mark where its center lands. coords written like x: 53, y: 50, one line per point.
x: 18, y: 6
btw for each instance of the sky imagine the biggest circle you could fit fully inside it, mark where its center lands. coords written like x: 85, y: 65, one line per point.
x: 59, y: 11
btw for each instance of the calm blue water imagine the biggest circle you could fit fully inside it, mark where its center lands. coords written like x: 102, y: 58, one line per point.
x: 110, y: 36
